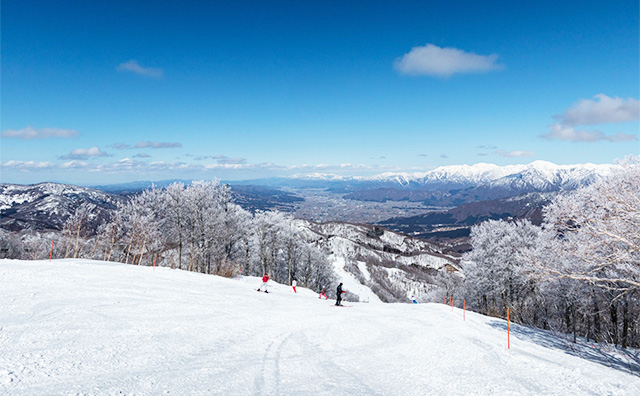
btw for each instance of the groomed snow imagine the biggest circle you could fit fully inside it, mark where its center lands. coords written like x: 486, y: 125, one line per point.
x: 87, y: 327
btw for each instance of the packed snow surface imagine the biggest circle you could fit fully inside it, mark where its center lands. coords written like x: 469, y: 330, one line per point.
x: 86, y: 327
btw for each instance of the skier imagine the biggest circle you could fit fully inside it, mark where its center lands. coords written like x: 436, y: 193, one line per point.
x: 413, y: 299
x: 265, y: 279
x: 294, y: 284
x: 323, y: 293
x: 339, y: 294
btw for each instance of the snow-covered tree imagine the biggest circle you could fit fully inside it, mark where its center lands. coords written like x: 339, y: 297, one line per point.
x: 175, y: 219
x: 75, y: 230
x: 596, y: 238
x: 499, y: 271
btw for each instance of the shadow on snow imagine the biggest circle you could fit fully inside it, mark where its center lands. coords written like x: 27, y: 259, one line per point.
x: 604, y: 354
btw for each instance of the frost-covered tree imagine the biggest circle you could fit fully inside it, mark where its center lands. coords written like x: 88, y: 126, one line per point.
x: 11, y: 245
x: 593, y: 238
x: 75, y: 230
x: 595, y: 229
x: 204, y: 221
x: 175, y: 218
x: 268, y: 229
x: 499, y: 271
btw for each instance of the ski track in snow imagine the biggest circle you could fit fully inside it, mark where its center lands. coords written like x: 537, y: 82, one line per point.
x: 94, y: 328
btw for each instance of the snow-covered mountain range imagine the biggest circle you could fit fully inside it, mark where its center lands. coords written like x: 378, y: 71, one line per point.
x: 540, y: 175
x: 48, y: 205
x: 460, y: 184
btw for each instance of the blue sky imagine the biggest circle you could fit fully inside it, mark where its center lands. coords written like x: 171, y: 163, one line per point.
x: 97, y: 92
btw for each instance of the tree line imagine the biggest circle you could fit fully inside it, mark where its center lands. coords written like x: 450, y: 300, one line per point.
x: 196, y: 228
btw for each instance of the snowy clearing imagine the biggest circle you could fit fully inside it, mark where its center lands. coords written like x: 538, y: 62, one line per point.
x: 89, y: 327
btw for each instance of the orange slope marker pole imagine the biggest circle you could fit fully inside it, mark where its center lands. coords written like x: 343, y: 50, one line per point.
x: 51, y: 252
x: 155, y: 256
x: 464, y: 309
x: 508, y: 340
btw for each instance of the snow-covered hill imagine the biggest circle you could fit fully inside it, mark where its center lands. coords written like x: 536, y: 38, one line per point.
x: 377, y: 263
x: 83, y: 327
x: 46, y: 206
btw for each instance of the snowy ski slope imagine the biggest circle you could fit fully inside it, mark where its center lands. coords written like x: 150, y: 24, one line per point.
x: 88, y: 327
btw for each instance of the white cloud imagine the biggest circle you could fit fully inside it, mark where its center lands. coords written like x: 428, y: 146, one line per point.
x: 602, y: 110
x: 227, y: 160
x: 157, y: 145
x: 569, y: 134
x: 131, y: 166
x: 26, y: 165
x: 82, y: 154
x: 74, y: 165
x: 515, y: 153
x: 435, y: 61
x: 30, y: 132
x: 133, y: 67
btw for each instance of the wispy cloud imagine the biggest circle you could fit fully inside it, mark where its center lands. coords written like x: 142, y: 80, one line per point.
x: 133, y: 66
x: 30, y: 132
x: 602, y: 110
x: 142, y: 155
x: 74, y: 165
x: 227, y: 160
x: 157, y: 145
x: 220, y: 159
x: 515, y: 153
x: 569, y: 134
x: 432, y: 60
x: 444, y: 156
x: 27, y: 165
x: 83, y: 154
x: 120, y: 146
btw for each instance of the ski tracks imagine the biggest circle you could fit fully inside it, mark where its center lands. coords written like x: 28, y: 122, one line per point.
x: 268, y: 380
x: 286, y: 361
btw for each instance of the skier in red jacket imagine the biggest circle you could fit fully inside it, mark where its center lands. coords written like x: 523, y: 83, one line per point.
x: 265, y: 279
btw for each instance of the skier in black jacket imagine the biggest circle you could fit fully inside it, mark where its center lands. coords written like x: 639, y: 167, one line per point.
x: 339, y: 294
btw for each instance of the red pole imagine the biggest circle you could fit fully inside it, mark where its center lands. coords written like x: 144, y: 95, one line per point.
x: 444, y: 299
x: 51, y: 253
x: 464, y: 309
x: 155, y: 256
x: 508, y: 340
